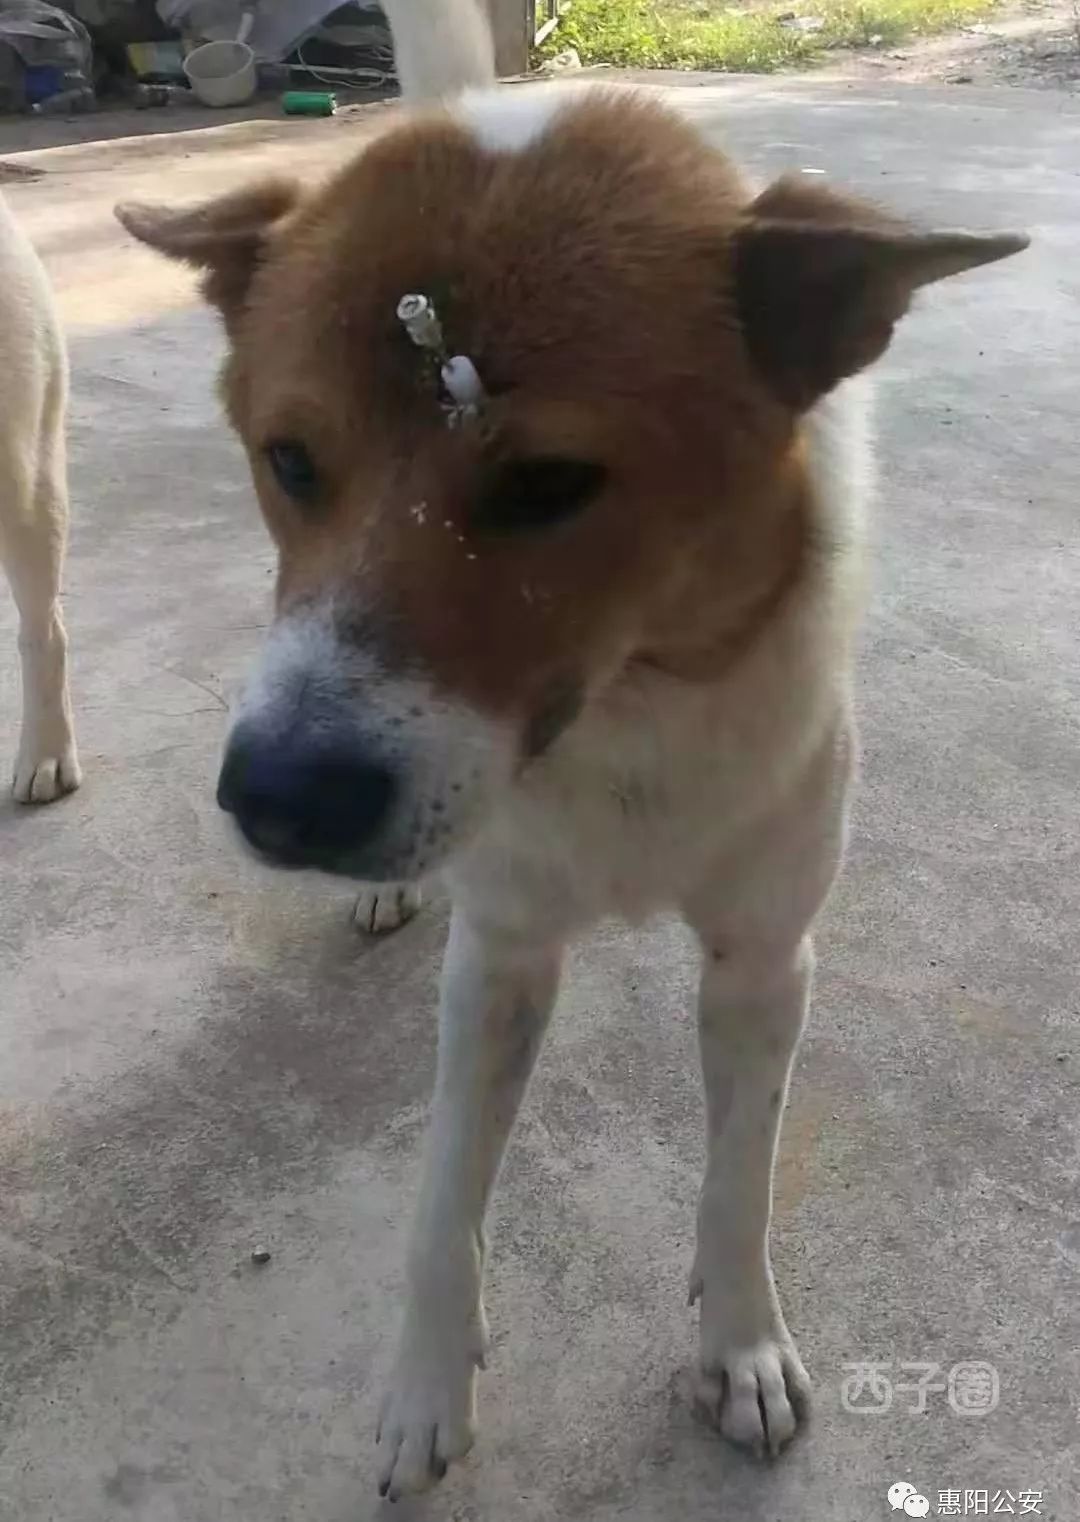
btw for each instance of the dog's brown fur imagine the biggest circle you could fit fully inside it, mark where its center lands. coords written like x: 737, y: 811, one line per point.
x: 608, y: 324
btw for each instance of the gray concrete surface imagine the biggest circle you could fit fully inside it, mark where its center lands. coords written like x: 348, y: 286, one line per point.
x: 198, y: 1057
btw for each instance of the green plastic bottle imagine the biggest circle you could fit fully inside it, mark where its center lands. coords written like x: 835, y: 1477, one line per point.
x: 308, y: 103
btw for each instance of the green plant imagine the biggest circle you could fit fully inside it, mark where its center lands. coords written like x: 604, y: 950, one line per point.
x: 756, y: 39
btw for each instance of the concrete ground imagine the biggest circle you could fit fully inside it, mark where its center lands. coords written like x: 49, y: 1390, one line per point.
x: 199, y: 1057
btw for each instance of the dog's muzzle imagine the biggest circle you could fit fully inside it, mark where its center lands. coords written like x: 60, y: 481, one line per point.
x: 305, y: 801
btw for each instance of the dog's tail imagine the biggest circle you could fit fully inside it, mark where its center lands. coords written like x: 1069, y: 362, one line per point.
x: 440, y: 46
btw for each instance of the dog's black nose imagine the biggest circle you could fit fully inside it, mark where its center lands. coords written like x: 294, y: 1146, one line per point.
x: 302, y: 805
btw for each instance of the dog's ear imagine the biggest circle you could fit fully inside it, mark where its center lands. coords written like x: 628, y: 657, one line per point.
x: 822, y: 279
x: 225, y: 238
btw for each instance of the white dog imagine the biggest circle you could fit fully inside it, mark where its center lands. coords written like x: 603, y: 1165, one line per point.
x: 34, y: 512
x: 549, y: 416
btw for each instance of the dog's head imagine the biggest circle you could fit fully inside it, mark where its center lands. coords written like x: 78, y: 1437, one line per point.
x: 457, y: 583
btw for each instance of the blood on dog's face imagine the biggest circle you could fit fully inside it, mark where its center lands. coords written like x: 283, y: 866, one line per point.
x: 454, y: 591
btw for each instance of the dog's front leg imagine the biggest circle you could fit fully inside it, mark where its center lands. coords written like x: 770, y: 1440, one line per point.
x: 754, y: 921
x: 497, y: 995
x: 32, y: 539
x: 750, y: 1014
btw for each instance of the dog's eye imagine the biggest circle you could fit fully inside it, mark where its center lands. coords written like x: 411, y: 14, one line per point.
x: 294, y: 469
x: 536, y: 493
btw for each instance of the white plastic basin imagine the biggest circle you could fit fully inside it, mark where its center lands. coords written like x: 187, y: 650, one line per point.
x: 221, y: 73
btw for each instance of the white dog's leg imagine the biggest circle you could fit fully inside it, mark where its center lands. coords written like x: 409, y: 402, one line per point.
x: 755, y: 988
x: 750, y: 1014
x: 497, y: 996
x: 33, y: 533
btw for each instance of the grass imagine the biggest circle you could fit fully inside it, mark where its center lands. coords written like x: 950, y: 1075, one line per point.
x: 708, y: 34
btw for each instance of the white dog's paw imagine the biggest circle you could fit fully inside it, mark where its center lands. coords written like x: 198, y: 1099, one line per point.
x: 754, y: 1389
x: 41, y: 775
x: 384, y: 907
x: 428, y: 1417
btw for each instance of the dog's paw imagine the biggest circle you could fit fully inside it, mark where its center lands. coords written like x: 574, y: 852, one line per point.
x: 41, y: 777
x: 428, y: 1417
x: 385, y: 907
x: 757, y: 1393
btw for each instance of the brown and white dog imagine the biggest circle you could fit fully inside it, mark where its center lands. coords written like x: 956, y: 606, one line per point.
x: 34, y: 511
x: 569, y: 573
